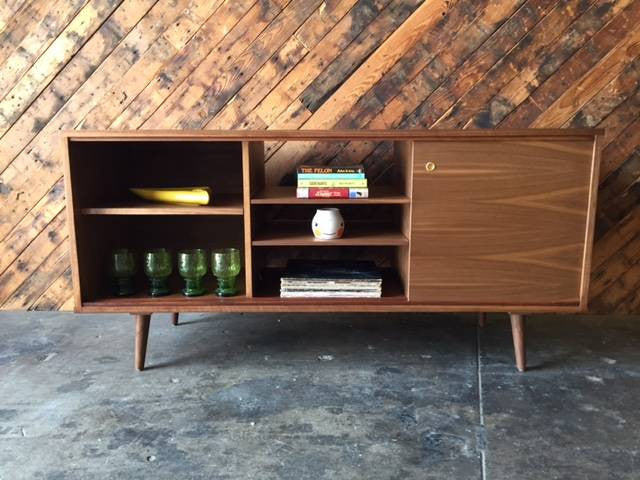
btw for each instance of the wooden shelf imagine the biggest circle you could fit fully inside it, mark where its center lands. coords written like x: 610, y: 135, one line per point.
x: 287, y: 196
x: 300, y: 235
x: 223, y: 205
x: 170, y: 303
x: 175, y: 300
x: 267, y: 298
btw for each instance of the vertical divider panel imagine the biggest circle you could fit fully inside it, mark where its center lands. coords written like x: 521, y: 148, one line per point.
x: 403, y: 158
x: 252, y: 183
x: 71, y: 222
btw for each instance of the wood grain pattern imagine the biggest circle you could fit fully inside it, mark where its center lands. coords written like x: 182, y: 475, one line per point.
x: 211, y: 303
x: 130, y: 64
x: 225, y: 205
x: 252, y: 181
x: 287, y: 195
x: 500, y: 222
x: 298, y: 235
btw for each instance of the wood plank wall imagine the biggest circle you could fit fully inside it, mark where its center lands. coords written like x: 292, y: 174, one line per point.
x: 216, y: 64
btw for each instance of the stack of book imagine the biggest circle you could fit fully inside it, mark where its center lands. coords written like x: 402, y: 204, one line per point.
x: 331, y: 279
x: 332, y: 182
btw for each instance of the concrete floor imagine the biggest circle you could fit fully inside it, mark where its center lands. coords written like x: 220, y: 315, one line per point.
x: 318, y: 397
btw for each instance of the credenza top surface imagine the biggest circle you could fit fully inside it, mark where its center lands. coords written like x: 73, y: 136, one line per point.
x: 327, y: 135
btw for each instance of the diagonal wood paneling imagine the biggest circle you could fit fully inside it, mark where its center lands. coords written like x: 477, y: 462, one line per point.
x: 218, y: 64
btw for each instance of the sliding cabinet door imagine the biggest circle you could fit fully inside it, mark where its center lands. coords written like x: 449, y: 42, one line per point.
x: 500, y: 221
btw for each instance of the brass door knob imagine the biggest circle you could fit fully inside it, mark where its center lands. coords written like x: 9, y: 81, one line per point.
x: 430, y: 166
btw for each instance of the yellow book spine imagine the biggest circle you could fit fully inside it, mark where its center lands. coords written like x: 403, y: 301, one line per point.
x: 333, y: 183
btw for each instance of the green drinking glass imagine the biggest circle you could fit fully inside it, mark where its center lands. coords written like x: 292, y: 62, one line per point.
x: 225, y: 265
x: 192, y: 265
x: 123, y: 271
x: 157, y: 267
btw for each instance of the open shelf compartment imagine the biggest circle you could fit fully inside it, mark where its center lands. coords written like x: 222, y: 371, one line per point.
x: 102, y: 172
x: 389, y: 178
x: 270, y: 265
x: 247, y: 212
x: 365, y: 224
x: 376, y: 228
x: 99, y: 235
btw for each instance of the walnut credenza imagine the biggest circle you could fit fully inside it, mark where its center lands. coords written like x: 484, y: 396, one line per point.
x: 460, y: 221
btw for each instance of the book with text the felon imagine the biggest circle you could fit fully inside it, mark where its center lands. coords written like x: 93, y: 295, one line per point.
x: 348, y: 169
x: 331, y: 176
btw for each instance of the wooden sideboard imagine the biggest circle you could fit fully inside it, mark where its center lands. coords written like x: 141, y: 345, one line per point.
x: 465, y: 221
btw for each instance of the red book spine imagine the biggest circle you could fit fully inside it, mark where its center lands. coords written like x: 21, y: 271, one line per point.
x: 328, y: 193
x: 331, y: 192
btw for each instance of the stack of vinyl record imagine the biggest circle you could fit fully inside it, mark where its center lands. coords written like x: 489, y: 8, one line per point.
x: 332, y: 182
x: 331, y: 279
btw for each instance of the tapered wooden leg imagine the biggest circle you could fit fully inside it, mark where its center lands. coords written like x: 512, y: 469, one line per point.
x: 174, y: 318
x: 517, y: 330
x: 142, y: 335
x: 482, y: 319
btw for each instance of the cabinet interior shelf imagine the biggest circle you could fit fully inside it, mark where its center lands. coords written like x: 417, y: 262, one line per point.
x: 287, y: 196
x: 289, y: 235
x: 268, y: 295
x: 222, y: 205
x: 169, y: 303
x: 175, y: 298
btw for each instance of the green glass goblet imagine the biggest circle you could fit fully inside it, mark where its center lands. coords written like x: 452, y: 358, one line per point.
x: 225, y: 265
x: 123, y: 270
x: 157, y: 267
x: 192, y: 265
